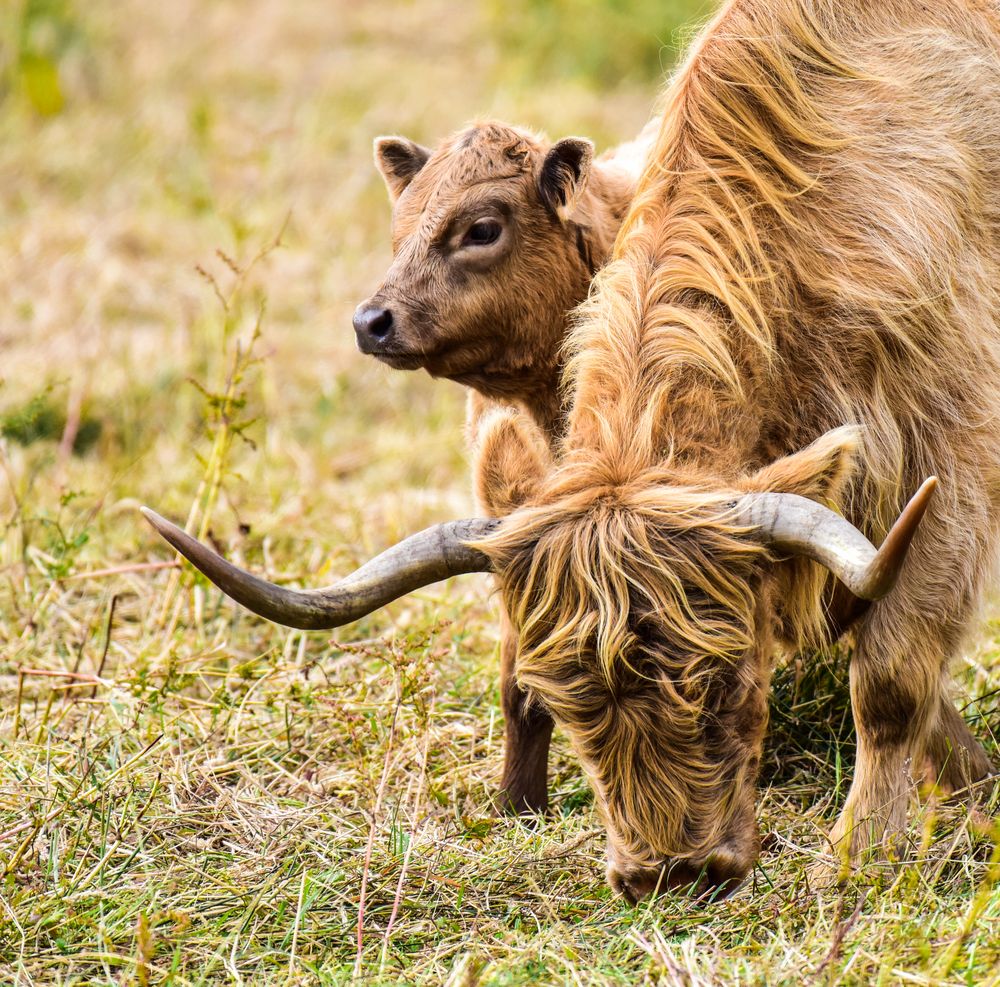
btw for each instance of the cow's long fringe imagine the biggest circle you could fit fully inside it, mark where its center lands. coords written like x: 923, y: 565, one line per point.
x: 652, y: 584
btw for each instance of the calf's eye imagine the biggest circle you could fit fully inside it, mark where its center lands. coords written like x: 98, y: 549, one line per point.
x: 482, y: 233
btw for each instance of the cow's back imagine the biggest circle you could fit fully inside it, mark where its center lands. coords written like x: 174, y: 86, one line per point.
x: 816, y: 241
x: 908, y: 277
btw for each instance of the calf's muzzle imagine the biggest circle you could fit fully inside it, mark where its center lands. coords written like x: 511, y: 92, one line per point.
x: 373, y: 327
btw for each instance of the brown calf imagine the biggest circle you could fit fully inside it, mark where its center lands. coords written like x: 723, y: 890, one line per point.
x: 802, y: 314
x: 496, y: 236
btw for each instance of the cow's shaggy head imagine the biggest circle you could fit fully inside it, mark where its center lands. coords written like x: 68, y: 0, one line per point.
x: 648, y: 615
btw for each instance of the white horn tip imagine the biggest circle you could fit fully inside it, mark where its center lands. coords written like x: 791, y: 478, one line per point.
x: 156, y: 520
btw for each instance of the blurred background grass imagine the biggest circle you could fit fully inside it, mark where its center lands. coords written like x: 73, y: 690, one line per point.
x: 140, y: 139
x: 188, y: 216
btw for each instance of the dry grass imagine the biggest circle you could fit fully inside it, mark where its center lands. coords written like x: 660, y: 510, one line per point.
x: 189, y: 795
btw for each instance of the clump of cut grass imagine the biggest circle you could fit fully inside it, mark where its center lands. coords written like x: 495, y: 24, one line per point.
x: 189, y: 795
x: 811, y: 734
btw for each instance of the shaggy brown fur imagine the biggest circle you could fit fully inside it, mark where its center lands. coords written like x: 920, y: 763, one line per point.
x: 494, y: 316
x: 804, y: 297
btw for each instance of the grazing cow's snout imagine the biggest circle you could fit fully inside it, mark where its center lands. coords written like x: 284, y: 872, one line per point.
x: 373, y: 325
x: 713, y: 880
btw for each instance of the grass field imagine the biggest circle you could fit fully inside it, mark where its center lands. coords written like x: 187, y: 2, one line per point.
x: 189, y: 795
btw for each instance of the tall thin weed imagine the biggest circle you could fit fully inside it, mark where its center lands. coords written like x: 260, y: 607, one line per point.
x: 225, y: 407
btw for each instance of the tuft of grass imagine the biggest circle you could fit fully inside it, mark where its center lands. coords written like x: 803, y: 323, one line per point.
x: 189, y: 795
x: 40, y: 419
x: 36, y: 420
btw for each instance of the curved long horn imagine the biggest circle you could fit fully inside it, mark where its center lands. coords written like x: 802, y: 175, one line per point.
x: 800, y: 526
x: 424, y: 558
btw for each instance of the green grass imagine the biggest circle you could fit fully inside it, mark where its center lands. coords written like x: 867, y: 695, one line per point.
x: 599, y: 42
x: 190, y: 795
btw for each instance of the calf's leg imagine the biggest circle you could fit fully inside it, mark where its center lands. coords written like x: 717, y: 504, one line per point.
x: 527, y: 732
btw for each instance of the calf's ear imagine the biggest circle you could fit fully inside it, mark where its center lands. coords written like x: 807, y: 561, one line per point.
x: 564, y: 174
x: 399, y: 159
x: 820, y: 471
x: 509, y: 460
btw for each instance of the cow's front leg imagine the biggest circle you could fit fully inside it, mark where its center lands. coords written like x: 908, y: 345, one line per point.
x: 909, y: 732
x: 956, y: 761
x: 527, y: 732
x: 896, y: 696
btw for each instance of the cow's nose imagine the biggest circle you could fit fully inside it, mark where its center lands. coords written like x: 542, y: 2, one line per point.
x: 372, y: 326
x: 711, y: 881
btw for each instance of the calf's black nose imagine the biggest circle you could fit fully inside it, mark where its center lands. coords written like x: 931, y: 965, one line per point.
x: 373, y: 326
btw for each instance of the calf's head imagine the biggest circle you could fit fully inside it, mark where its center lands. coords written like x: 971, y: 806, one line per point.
x: 647, y: 606
x: 492, y: 246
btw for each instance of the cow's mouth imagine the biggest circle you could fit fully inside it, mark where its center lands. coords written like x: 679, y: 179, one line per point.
x: 704, y: 885
x: 399, y: 360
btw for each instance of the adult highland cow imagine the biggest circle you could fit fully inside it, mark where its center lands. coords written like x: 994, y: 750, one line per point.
x: 802, y: 310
